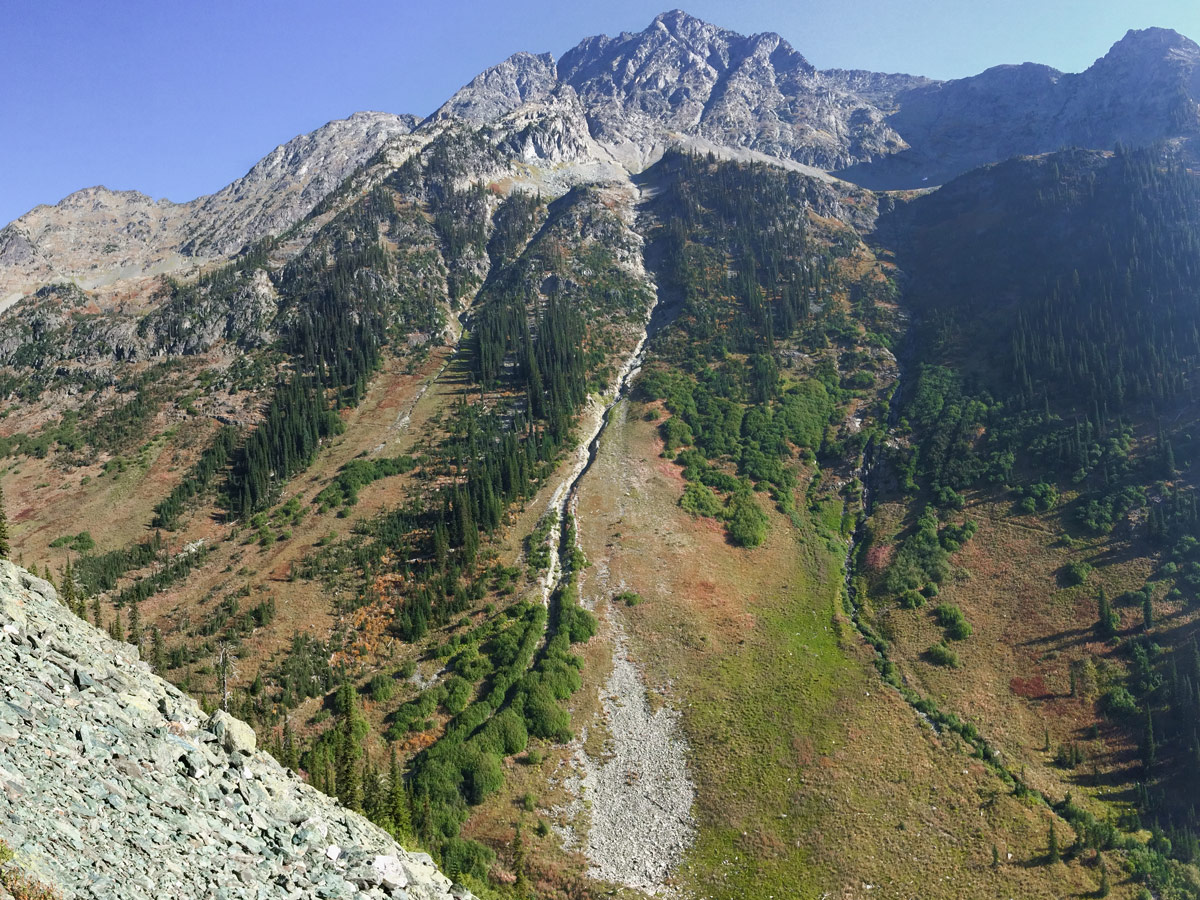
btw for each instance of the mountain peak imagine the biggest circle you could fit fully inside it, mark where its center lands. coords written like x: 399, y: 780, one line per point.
x: 677, y: 22
x: 494, y: 92
x: 1152, y: 47
x: 1154, y: 38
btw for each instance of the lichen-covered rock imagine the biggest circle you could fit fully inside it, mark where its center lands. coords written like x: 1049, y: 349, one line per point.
x: 115, y: 784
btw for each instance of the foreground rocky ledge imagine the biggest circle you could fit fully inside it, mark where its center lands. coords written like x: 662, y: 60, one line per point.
x: 113, y: 783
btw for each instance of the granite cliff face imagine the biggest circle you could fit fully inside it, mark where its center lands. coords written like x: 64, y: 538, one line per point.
x: 682, y: 79
x: 113, y: 783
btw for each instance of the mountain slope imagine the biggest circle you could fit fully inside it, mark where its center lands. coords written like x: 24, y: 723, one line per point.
x: 115, y: 783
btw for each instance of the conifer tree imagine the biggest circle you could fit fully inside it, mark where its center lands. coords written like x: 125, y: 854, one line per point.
x: 67, y: 592
x: 1149, y: 745
x: 349, y: 781
x: 372, y: 806
x: 1053, y: 854
x: 521, y: 885
x: 5, y: 549
x: 398, y: 805
x: 158, y: 654
x: 135, y: 624
x: 117, y: 629
x: 1108, y: 620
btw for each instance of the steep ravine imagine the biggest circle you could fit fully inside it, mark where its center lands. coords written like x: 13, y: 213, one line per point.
x: 638, y: 794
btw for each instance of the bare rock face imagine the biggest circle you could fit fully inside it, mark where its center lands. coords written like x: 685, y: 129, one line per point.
x: 684, y: 77
x: 114, y: 784
x: 96, y: 236
x: 286, y: 184
x: 554, y: 130
x: 620, y: 102
x: 522, y: 78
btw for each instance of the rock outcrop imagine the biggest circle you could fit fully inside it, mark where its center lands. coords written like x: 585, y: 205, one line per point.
x: 115, y: 784
x: 682, y: 78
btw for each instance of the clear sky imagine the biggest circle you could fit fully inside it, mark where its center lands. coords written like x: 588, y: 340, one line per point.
x: 176, y: 98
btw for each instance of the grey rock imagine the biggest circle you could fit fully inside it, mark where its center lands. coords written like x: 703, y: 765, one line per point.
x: 235, y: 736
x: 102, y: 798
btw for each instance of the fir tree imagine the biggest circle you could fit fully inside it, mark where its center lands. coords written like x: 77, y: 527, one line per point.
x: 1149, y: 745
x: 1053, y: 854
x: 521, y: 885
x: 1108, y: 620
x: 135, y: 624
x: 398, y: 804
x: 69, y: 595
x: 117, y: 629
x: 5, y: 549
x: 158, y: 655
x: 349, y: 781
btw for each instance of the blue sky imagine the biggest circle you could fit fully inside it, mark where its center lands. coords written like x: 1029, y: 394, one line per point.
x: 176, y: 99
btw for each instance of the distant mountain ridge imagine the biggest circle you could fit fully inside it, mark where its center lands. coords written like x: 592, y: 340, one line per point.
x: 622, y: 101
x: 96, y: 235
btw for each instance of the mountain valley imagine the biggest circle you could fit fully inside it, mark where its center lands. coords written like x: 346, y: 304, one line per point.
x: 667, y: 470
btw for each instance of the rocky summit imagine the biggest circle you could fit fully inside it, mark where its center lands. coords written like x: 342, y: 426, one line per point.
x: 115, y: 784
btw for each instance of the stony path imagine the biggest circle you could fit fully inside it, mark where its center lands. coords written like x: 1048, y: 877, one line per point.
x: 115, y: 784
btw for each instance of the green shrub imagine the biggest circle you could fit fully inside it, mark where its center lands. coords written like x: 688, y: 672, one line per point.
x: 912, y: 599
x: 544, y: 718
x: 942, y: 655
x: 1118, y: 703
x: 506, y: 733
x: 381, y: 688
x: 482, y: 776
x: 699, y: 500
x: 458, y: 694
x: 747, y: 523
x: 1076, y: 572
x: 629, y: 598
x: 463, y: 857
x: 675, y: 433
x: 952, y: 619
x: 576, y: 623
